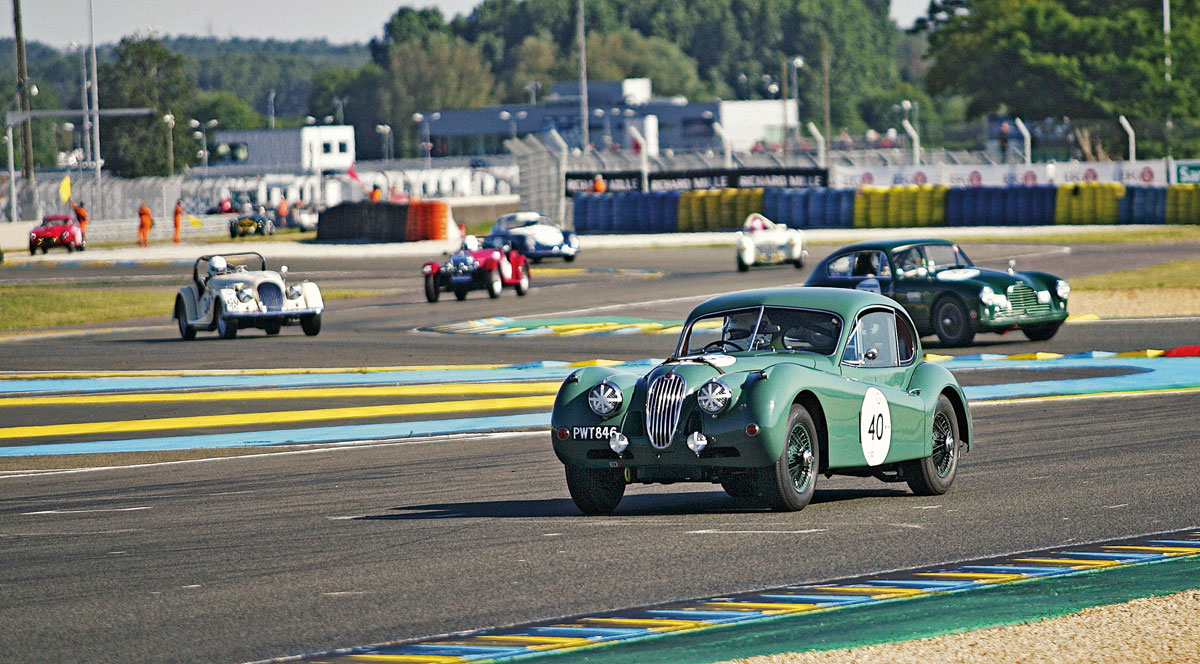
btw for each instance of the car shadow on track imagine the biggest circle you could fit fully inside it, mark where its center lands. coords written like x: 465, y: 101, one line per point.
x: 656, y: 504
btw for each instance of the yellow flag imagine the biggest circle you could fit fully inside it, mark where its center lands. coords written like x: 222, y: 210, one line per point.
x: 64, y: 189
x: 195, y: 221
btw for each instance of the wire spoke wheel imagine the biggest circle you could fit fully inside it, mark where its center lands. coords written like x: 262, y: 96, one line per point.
x: 800, y: 458
x: 944, y: 444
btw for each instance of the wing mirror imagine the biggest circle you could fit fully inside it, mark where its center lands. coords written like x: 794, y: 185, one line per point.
x: 1012, y: 266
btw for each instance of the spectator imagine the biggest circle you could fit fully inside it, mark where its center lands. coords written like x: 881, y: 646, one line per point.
x: 598, y: 184
x: 283, y: 212
x: 376, y: 194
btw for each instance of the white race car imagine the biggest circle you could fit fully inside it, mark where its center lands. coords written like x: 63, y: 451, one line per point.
x: 233, y: 291
x: 764, y: 242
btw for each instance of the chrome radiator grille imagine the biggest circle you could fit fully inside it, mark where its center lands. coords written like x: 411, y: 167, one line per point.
x: 663, y: 402
x: 1024, y: 300
x: 271, y: 295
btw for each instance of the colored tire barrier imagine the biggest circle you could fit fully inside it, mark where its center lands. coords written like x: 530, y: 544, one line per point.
x: 901, y: 206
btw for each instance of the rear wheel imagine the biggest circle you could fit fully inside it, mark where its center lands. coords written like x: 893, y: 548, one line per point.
x: 951, y: 324
x: 226, y: 327
x: 933, y: 475
x: 742, y: 266
x: 596, y: 491
x: 431, y: 288
x: 272, y: 326
x: 494, y: 285
x: 311, y: 324
x: 788, y: 485
x: 186, y: 331
x: 460, y: 293
x: 569, y: 258
x: 1041, y: 332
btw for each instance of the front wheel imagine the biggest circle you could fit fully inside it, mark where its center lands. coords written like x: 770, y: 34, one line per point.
x: 272, y: 327
x: 788, y: 485
x: 933, y: 475
x: 431, y: 288
x: 460, y: 293
x: 311, y: 324
x: 494, y: 285
x: 741, y: 264
x: 1041, y: 332
x: 523, y: 282
x: 596, y: 491
x: 226, y: 327
x: 570, y: 258
x: 951, y: 324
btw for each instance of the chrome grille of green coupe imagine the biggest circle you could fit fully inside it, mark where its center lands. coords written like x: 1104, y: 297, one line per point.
x: 1024, y: 300
x: 663, y: 401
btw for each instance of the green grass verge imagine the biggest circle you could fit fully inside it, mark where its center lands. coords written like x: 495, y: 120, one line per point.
x: 39, y: 306
x: 1175, y: 274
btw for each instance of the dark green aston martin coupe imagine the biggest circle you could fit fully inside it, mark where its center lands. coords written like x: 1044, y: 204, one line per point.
x: 766, y: 390
x: 945, y: 293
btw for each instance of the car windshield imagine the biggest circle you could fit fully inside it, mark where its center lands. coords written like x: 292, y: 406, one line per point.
x: 762, y: 328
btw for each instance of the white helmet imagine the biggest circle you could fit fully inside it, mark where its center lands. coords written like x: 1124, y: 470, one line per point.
x: 471, y: 243
x: 217, y: 265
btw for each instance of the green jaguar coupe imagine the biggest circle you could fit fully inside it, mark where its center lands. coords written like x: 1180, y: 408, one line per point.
x: 945, y: 293
x: 766, y: 390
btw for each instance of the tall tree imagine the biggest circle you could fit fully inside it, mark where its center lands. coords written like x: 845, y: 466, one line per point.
x: 145, y: 74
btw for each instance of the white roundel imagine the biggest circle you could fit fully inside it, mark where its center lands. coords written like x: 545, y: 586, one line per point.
x: 875, y: 427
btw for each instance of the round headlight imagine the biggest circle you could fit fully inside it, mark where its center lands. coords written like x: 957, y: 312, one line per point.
x: 987, y: 295
x: 1063, y: 289
x: 713, y: 397
x: 604, y: 399
x: 293, y: 292
x: 245, y: 295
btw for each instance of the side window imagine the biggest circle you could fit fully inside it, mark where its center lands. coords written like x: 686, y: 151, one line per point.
x: 860, y: 264
x: 906, y: 338
x: 873, y: 342
x: 909, y: 263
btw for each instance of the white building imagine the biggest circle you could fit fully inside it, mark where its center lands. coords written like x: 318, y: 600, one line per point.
x: 309, y: 149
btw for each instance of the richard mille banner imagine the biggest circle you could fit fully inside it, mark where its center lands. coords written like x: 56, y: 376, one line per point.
x: 749, y: 178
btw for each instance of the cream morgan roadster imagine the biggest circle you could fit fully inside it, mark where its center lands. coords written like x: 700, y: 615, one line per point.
x: 235, y: 291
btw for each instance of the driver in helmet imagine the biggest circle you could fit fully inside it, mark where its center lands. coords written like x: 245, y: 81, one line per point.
x: 738, y: 328
x: 470, y: 243
x: 217, y: 265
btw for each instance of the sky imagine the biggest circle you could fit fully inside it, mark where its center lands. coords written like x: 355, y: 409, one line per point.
x: 61, y: 22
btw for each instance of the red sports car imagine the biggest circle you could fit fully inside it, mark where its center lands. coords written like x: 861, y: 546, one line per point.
x: 57, y: 230
x: 491, y: 267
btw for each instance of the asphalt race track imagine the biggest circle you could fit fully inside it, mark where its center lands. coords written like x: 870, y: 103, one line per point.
x: 256, y: 557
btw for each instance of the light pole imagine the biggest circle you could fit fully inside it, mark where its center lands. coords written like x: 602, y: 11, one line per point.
x: 169, y: 120
x: 512, y: 118
x: 340, y: 102
x: 601, y: 113
x: 385, y: 137
x: 795, y: 63
x: 1168, y: 125
x: 201, y: 133
x: 271, y: 108
x: 533, y: 87
x: 424, y: 120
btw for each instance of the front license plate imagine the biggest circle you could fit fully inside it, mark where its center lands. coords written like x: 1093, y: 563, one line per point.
x: 593, y: 433
x: 461, y: 279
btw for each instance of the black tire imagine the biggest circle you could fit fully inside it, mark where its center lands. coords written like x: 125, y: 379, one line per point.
x: 460, y: 294
x: 1041, y: 332
x: 523, y: 281
x: 33, y: 251
x: 82, y: 245
x: 272, y: 326
x: 950, y: 322
x: 740, y: 486
x: 233, y: 234
x: 495, y: 285
x: 596, y: 491
x: 742, y: 266
x: 570, y: 258
x: 186, y: 331
x: 431, y: 288
x: 798, y: 263
x: 311, y: 324
x: 535, y: 259
x: 70, y: 248
x: 788, y: 484
x: 933, y: 475
x: 227, y: 328
x: 45, y: 249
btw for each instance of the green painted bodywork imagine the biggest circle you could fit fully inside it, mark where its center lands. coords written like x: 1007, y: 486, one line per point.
x: 919, y: 295
x: 765, y: 384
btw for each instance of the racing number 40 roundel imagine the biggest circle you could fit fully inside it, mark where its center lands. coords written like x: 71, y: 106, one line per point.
x: 875, y: 427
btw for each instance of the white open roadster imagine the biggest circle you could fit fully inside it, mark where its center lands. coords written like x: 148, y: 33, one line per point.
x: 764, y: 242
x: 233, y: 291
